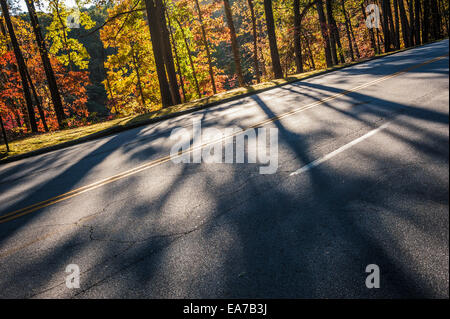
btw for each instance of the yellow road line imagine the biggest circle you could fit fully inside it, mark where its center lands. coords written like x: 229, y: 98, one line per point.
x: 30, y: 209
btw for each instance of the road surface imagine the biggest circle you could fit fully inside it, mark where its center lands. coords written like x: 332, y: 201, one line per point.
x: 362, y: 179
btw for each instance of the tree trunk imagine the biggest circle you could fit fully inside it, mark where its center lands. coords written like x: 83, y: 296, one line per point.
x: 4, y: 134
x: 297, y: 40
x: 263, y: 64
x: 205, y: 43
x: 138, y: 75
x: 155, y: 33
x: 276, y: 64
x: 335, y: 32
x: 234, y: 43
x: 397, y: 25
x: 436, y: 20
x: 255, y: 41
x: 21, y: 65
x: 406, y: 32
x: 331, y: 32
x: 49, y: 73
x: 323, y: 27
x: 311, y: 57
x: 191, y: 61
x: 177, y: 60
x: 167, y: 50
x: 411, y: 21
x: 393, y: 37
x: 347, y: 28
x: 386, y: 31
x: 38, y: 101
x: 445, y: 14
x: 426, y: 21
x: 417, y: 22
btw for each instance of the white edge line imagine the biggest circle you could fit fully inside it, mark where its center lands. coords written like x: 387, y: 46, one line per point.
x: 339, y: 150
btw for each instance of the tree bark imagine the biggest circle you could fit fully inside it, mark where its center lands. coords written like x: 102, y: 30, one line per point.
x: 331, y: 32
x: 205, y: 43
x: 436, y: 20
x: 177, y: 59
x: 49, y: 73
x: 234, y: 43
x: 337, y: 36
x: 167, y: 50
x: 4, y: 134
x: 138, y: 75
x: 417, y: 24
x: 323, y: 27
x: 311, y: 57
x: 297, y: 40
x: 347, y: 28
x: 255, y: 41
x: 21, y: 65
x: 276, y: 64
x: 38, y: 101
x: 411, y: 21
x: 406, y: 32
x: 298, y: 18
x: 155, y: 33
x: 386, y: 31
x: 397, y: 25
x: 426, y: 21
x: 191, y: 61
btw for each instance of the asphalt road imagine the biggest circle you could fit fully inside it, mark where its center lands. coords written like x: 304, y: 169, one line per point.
x: 369, y: 149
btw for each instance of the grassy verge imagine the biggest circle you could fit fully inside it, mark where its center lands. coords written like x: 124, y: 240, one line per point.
x: 41, y: 143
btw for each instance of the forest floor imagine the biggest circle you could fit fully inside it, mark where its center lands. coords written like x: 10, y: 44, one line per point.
x: 43, y: 142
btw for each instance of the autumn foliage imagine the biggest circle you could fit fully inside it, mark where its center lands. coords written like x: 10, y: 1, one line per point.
x: 209, y: 50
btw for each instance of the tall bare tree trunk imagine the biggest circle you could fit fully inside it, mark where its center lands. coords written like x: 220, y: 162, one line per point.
x: 255, y: 42
x: 191, y: 61
x: 205, y: 43
x: 49, y: 73
x: 38, y: 101
x: 138, y: 75
x: 298, y: 17
x: 276, y: 64
x: 386, y: 30
x: 347, y: 29
x: 426, y: 21
x: 167, y: 50
x: 5, y: 138
x: 331, y: 32
x: 417, y: 24
x: 406, y: 32
x: 234, y: 43
x: 411, y: 21
x: 155, y: 33
x: 436, y: 20
x: 323, y: 28
x: 22, y: 67
x: 297, y: 40
x: 177, y: 59
x: 397, y: 25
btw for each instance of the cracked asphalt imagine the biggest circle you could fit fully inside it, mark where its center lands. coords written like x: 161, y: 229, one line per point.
x: 226, y: 231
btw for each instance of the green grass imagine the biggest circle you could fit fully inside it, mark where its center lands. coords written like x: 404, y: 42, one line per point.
x: 36, y: 142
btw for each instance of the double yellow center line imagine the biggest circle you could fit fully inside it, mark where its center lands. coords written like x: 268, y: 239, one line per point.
x: 33, y: 208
